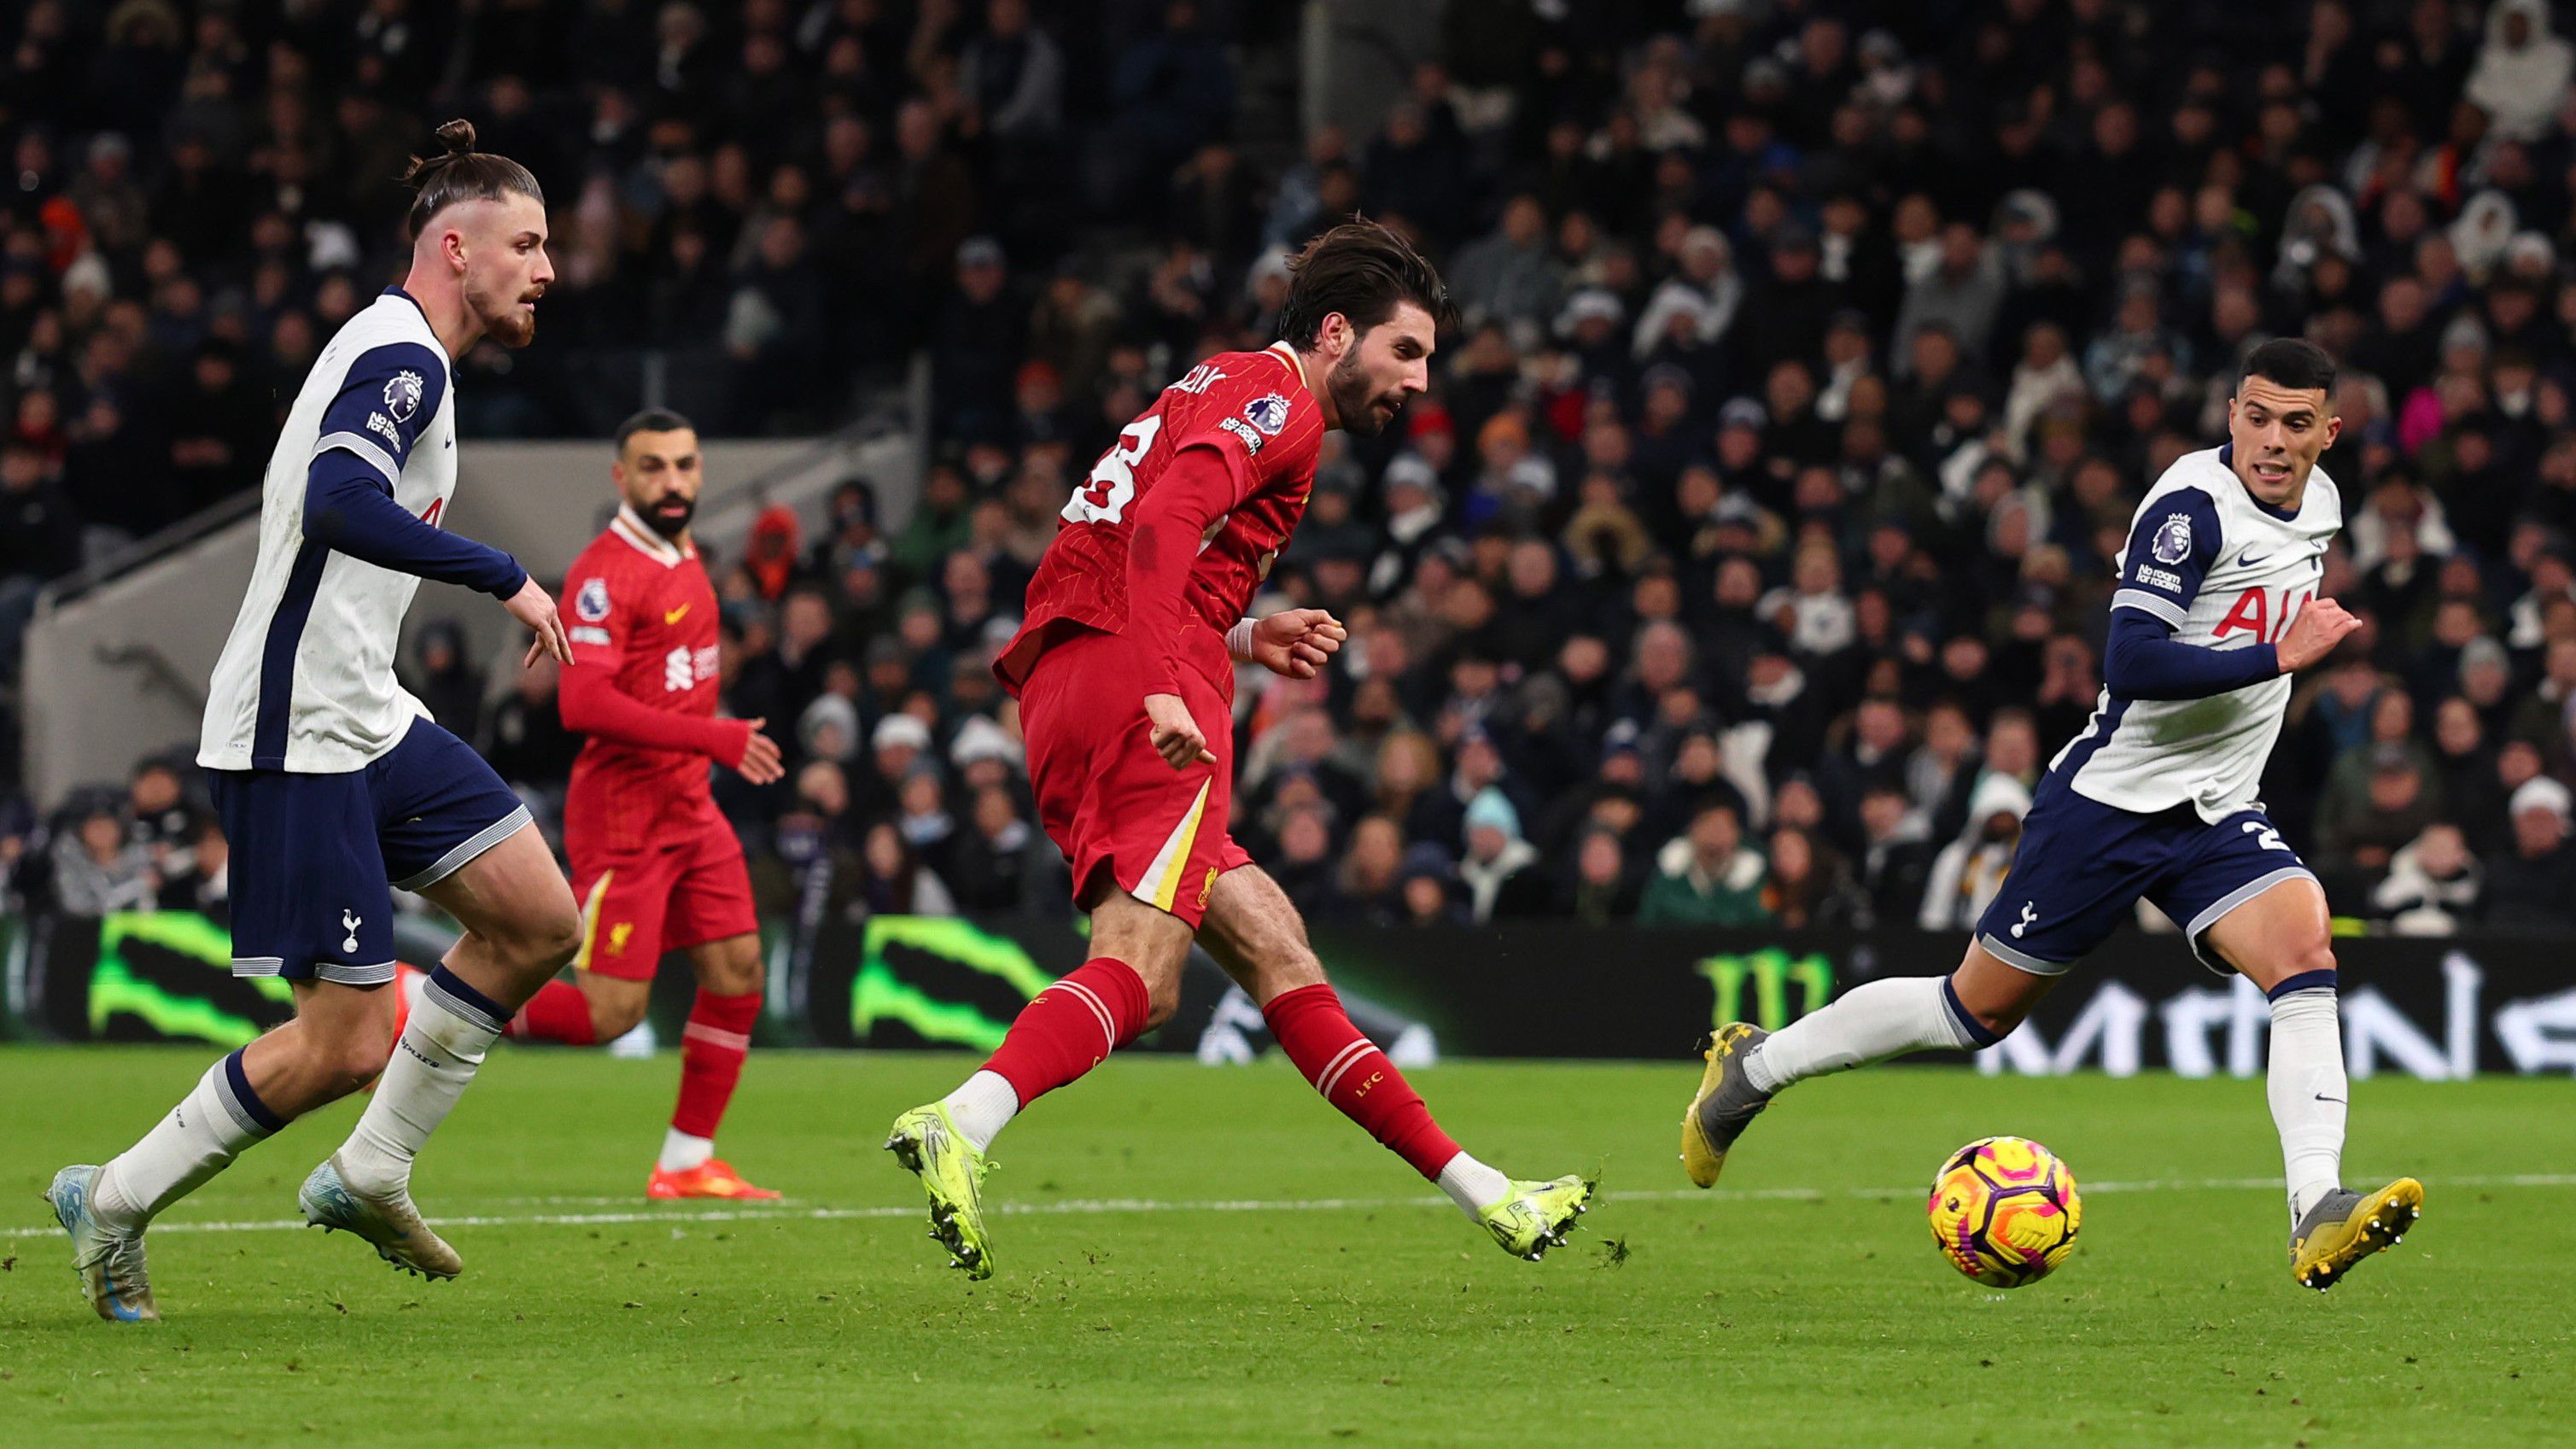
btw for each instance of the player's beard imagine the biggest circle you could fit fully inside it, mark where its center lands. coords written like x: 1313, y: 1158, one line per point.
x: 1353, y: 403
x: 670, y: 517
x: 502, y: 319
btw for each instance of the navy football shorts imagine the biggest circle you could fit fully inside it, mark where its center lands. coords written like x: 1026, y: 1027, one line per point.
x: 2082, y: 866
x: 314, y: 857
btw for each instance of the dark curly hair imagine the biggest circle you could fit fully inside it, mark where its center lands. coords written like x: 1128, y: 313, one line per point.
x: 1363, y: 271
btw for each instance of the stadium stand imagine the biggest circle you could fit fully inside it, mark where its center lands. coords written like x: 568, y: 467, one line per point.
x: 1747, y: 563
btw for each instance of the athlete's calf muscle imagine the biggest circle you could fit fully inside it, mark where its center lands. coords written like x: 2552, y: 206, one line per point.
x: 336, y: 1044
x: 1997, y: 993
x: 1155, y: 944
x: 616, y: 1004
x: 730, y: 967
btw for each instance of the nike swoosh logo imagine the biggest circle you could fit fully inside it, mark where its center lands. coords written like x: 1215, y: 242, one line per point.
x: 2338, y: 1101
x: 672, y: 616
x: 2249, y: 560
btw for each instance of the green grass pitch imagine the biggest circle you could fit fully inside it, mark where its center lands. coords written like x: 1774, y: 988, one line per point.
x: 1210, y: 1256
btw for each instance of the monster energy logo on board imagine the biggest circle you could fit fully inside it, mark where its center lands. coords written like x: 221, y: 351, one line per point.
x: 879, y: 994
x: 1772, y: 970
x: 118, y: 985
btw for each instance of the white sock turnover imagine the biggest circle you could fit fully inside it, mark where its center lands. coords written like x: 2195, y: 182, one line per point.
x: 680, y: 1151
x: 983, y: 1106
x: 1472, y: 1185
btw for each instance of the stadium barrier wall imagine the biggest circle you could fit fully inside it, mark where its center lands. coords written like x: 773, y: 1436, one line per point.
x: 2432, y: 1009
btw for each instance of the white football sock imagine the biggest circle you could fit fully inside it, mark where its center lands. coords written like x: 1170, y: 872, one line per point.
x: 983, y: 1107
x: 451, y: 1028
x: 680, y: 1151
x: 1472, y: 1185
x: 2308, y: 1094
x: 1872, y: 1020
x: 199, y: 1138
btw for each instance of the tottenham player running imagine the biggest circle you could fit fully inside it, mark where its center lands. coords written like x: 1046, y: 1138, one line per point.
x: 654, y: 864
x: 333, y: 783
x: 2216, y: 608
x: 1124, y: 669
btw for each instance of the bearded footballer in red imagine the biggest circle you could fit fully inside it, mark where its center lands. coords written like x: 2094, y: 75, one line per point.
x: 654, y: 864
x: 1124, y: 669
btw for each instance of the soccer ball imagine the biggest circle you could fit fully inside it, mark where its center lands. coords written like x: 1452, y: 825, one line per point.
x: 2004, y: 1211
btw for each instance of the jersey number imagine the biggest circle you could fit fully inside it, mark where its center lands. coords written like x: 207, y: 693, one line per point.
x: 1104, y: 496
x: 2265, y: 836
x: 430, y: 514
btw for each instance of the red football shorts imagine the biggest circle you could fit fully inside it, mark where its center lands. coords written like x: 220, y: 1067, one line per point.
x: 1121, y: 815
x: 636, y: 906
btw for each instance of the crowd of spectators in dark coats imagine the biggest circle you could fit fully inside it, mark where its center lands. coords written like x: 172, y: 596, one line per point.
x: 1748, y: 560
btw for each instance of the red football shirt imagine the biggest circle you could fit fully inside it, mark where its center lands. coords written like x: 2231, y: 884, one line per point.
x: 642, y: 610
x: 1253, y: 409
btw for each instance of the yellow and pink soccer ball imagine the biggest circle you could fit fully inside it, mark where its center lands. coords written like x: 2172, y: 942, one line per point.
x: 2004, y: 1211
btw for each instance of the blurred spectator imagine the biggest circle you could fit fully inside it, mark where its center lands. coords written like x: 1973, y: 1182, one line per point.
x: 991, y: 863
x: 2434, y: 885
x: 159, y: 820
x: 443, y: 679
x: 1500, y: 870
x: 525, y: 738
x: 1603, y: 888
x: 1808, y: 388
x: 892, y: 879
x: 1971, y: 869
x: 2531, y: 890
x: 1707, y: 877
x: 1428, y: 894
x: 2522, y: 71
x: 1895, y: 861
x: 1810, y: 883
x: 97, y: 868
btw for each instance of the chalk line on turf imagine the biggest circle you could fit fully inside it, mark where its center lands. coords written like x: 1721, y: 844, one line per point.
x: 790, y: 1211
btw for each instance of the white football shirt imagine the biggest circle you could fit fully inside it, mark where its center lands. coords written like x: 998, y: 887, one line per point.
x: 306, y: 680
x: 2227, y: 572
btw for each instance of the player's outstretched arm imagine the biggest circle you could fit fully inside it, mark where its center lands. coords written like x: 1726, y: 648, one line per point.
x: 2144, y: 661
x: 348, y: 508
x: 1296, y: 643
x: 592, y: 704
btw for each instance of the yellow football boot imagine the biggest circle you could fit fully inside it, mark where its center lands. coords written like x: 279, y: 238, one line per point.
x: 1726, y: 1104
x: 2346, y: 1227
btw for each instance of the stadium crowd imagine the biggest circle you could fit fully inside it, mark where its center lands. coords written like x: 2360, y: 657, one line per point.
x: 1747, y: 563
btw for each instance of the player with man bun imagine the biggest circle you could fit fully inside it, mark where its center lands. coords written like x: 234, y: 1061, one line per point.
x: 335, y: 786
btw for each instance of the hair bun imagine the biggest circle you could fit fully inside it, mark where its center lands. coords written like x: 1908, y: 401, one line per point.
x: 457, y: 136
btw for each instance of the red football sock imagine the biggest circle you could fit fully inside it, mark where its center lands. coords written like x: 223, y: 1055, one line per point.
x: 558, y: 1012
x: 712, y: 1047
x: 1071, y: 1027
x: 1356, y: 1077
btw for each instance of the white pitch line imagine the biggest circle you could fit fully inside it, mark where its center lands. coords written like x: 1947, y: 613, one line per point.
x: 1091, y: 1206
